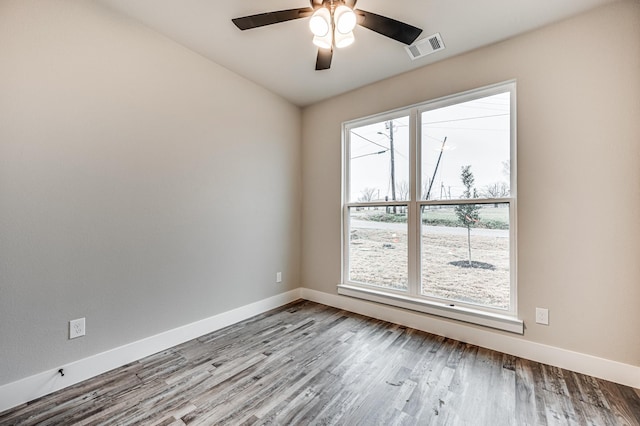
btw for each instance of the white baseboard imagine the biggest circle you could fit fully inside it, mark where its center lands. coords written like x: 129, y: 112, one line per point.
x: 30, y: 388
x: 613, y: 371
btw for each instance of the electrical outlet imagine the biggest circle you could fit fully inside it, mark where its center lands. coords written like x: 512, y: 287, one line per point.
x: 278, y: 277
x: 542, y: 316
x: 76, y: 328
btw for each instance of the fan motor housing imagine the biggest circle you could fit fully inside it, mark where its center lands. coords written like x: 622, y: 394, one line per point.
x: 319, y: 3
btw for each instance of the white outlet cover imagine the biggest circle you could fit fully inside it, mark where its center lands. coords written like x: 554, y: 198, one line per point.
x: 278, y: 277
x: 76, y: 328
x: 542, y: 316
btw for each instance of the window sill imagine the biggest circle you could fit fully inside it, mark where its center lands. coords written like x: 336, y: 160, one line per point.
x: 459, y: 313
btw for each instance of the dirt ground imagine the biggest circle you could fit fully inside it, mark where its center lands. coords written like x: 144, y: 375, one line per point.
x: 379, y: 257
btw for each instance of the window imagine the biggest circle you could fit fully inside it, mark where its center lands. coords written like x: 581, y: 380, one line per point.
x: 429, y: 208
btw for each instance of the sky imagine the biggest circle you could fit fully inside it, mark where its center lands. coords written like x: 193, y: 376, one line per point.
x: 477, y: 134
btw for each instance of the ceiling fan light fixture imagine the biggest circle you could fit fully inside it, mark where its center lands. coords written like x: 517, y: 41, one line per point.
x: 320, y: 22
x: 344, y: 40
x: 332, y: 23
x: 345, y: 19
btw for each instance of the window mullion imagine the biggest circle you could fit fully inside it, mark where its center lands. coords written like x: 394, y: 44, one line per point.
x: 413, y: 237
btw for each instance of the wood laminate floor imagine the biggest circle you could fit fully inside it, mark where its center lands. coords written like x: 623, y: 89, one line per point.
x: 307, y: 363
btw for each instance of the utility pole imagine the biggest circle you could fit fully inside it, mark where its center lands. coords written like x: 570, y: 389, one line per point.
x: 436, y: 169
x: 389, y: 126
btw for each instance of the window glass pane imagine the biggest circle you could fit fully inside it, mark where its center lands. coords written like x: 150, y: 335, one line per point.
x: 379, y: 161
x: 473, y: 134
x: 378, y: 246
x: 465, y: 253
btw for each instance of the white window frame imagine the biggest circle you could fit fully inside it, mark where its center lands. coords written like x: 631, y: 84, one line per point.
x: 413, y: 299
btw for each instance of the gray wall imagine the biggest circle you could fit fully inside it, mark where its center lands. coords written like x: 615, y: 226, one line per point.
x: 578, y: 173
x: 141, y: 186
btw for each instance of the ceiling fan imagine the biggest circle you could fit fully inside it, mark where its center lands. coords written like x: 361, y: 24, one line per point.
x: 332, y: 23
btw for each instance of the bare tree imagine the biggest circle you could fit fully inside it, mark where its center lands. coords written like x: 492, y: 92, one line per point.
x: 506, y: 168
x: 495, y: 190
x: 367, y: 194
x: 402, y: 190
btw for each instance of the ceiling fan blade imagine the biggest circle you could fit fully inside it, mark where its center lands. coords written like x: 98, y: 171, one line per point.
x: 323, y: 62
x: 262, y: 19
x: 351, y: 3
x: 404, y: 33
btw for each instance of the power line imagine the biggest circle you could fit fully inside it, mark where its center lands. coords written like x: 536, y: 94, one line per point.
x: 484, y: 108
x: 469, y: 128
x: 433, y: 137
x: 369, y: 140
x: 463, y: 119
x: 371, y: 153
x: 381, y: 146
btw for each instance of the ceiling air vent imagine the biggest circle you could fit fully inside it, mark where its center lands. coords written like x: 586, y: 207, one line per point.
x: 425, y: 46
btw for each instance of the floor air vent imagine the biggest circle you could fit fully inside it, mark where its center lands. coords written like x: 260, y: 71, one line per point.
x: 425, y: 46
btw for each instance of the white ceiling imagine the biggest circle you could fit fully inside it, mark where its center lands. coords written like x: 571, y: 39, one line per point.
x: 281, y: 57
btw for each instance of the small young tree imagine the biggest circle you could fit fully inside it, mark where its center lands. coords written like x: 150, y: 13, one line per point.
x: 468, y: 213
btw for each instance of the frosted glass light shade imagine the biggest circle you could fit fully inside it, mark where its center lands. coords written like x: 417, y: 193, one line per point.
x: 345, y: 19
x: 323, y: 42
x: 320, y: 22
x: 344, y: 40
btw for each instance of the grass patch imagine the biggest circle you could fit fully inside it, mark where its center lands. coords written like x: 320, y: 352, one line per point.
x: 446, y: 217
x: 386, y: 217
